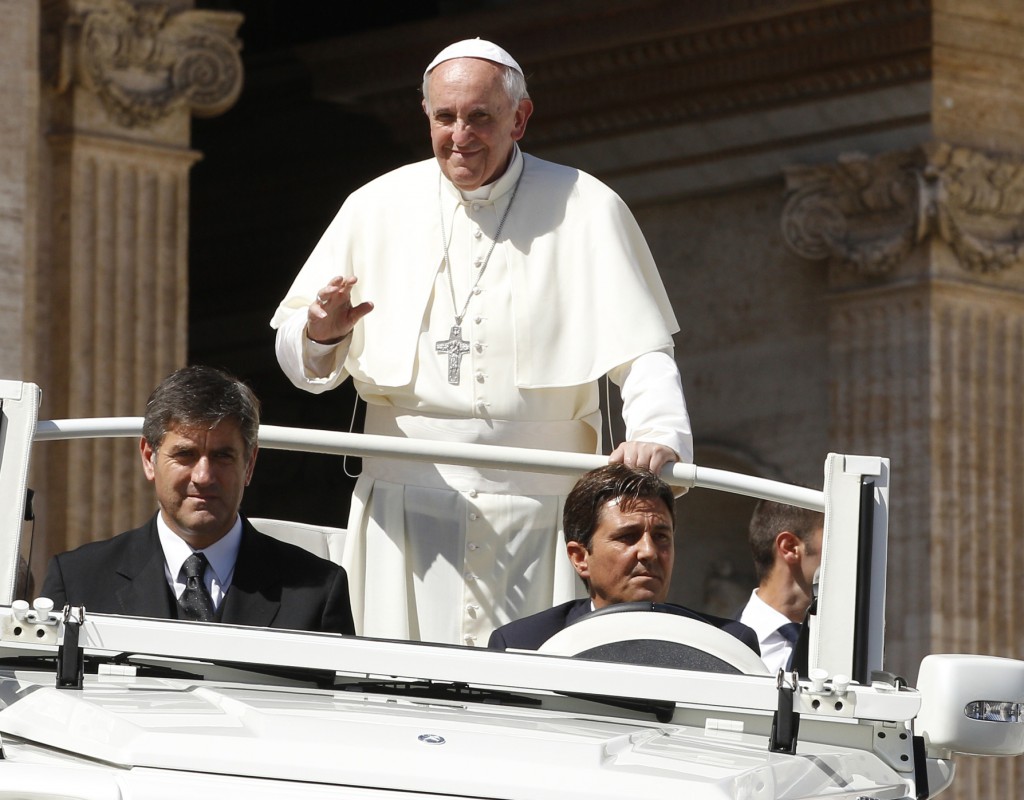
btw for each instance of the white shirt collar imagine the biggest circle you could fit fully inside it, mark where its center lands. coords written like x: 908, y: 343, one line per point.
x: 760, y: 616
x: 765, y: 620
x: 491, y: 191
x: 221, y: 555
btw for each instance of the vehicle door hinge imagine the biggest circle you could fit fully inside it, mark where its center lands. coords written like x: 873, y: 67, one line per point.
x: 785, y: 722
x: 70, y: 656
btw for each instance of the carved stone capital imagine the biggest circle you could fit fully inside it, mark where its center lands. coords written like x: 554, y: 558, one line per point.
x: 860, y: 213
x: 976, y: 205
x: 867, y: 214
x: 146, y: 61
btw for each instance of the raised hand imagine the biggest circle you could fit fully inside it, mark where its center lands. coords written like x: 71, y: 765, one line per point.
x: 331, y: 317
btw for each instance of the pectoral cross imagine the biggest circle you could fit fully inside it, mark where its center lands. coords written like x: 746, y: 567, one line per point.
x: 456, y: 347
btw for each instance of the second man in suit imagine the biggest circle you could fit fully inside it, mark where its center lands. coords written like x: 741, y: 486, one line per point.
x: 197, y: 557
x: 785, y: 542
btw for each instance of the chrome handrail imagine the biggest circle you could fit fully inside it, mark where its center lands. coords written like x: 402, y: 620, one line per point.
x: 309, y: 440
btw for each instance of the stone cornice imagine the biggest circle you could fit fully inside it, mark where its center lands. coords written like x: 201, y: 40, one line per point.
x: 146, y: 61
x: 597, y: 71
x: 735, y: 67
x: 866, y: 215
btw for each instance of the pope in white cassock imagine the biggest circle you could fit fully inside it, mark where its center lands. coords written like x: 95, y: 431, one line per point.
x: 478, y: 297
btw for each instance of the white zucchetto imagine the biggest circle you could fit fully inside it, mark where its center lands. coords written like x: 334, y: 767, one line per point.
x: 474, y: 48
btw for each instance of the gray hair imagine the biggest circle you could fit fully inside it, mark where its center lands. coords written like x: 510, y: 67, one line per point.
x: 515, y: 84
x: 199, y: 396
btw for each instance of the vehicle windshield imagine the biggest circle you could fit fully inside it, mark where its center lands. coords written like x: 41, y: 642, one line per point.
x: 665, y: 646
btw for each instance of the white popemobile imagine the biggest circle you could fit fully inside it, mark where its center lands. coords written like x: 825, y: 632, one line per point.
x: 102, y: 707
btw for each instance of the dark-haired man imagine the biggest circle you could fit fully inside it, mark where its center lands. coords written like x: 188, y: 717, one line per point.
x: 197, y: 557
x: 785, y: 542
x: 619, y: 525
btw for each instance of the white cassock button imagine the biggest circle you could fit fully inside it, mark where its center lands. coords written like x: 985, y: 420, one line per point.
x: 477, y: 290
x: 471, y: 611
x: 473, y: 492
x: 473, y: 518
x: 479, y: 377
x: 478, y: 263
x: 473, y: 545
x: 468, y: 639
x: 477, y: 233
x: 478, y: 347
x: 478, y: 319
x: 470, y: 577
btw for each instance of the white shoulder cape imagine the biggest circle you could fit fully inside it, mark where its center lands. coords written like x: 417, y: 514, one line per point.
x: 586, y: 292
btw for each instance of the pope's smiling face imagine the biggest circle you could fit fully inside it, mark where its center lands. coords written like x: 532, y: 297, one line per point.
x: 199, y: 475
x: 631, y: 553
x: 473, y: 122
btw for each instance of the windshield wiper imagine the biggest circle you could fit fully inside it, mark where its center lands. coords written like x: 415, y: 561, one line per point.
x: 661, y: 709
x: 437, y: 690
x: 198, y: 669
x: 42, y: 662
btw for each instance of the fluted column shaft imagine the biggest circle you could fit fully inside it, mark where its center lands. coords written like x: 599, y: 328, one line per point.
x: 127, y: 280
x: 925, y: 251
x: 112, y: 296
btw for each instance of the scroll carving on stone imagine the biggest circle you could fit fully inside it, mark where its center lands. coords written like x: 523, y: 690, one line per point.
x: 861, y: 213
x: 978, y: 206
x: 144, y: 62
x: 866, y: 214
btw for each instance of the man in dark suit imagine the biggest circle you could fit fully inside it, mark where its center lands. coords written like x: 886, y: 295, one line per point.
x: 619, y: 526
x: 197, y: 557
x: 785, y: 542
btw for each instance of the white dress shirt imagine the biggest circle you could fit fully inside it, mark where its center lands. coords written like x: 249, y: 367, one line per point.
x: 765, y: 620
x: 221, y: 556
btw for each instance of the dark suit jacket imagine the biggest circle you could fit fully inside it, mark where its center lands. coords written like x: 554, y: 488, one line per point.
x: 275, y: 585
x: 529, y: 633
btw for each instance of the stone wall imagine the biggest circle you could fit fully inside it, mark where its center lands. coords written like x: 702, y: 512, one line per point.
x: 19, y: 110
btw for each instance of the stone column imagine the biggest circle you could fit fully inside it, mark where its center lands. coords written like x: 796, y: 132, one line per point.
x: 925, y: 252
x: 19, y: 108
x: 110, y: 299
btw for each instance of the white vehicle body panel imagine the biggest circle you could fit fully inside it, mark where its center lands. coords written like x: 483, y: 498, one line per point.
x: 307, y: 736
x: 101, y: 706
